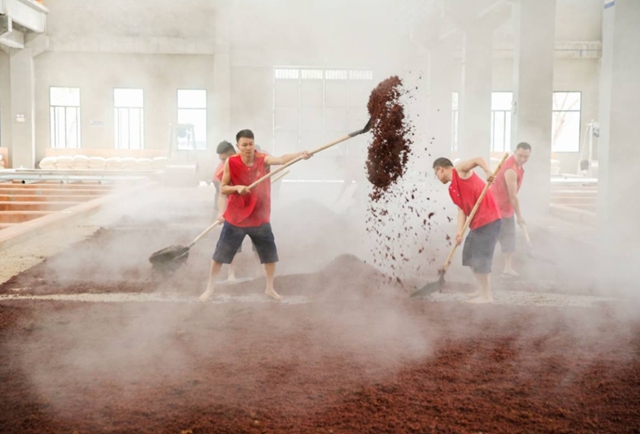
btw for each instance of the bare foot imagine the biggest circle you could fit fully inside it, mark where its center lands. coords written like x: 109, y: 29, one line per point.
x: 270, y: 292
x: 206, y: 295
x: 510, y: 272
x: 475, y: 293
x: 481, y: 299
x: 232, y: 278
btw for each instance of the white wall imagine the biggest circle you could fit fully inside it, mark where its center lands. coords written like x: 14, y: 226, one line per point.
x: 142, y: 18
x: 97, y: 74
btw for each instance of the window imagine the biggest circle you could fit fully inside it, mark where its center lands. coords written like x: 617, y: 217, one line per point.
x: 64, y: 105
x: 501, y: 121
x: 313, y: 106
x: 192, y: 110
x: 566, y: 121
x: 454, y: 120
x: 129, y: 118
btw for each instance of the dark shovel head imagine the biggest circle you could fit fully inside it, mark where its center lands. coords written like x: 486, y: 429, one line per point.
x: 169, y: 254
x: 366, y: 128
x: 429, y: 288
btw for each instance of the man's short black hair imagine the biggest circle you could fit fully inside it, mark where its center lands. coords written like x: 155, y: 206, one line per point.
x: 442, y: 162
x: 523, y: 145
x: 224, y: 147
x: 247, y: 134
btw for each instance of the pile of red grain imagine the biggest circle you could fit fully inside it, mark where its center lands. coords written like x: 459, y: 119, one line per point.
x: 389, y: 150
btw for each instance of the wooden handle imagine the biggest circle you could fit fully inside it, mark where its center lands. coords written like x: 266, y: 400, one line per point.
x: 473, y: 212
x: 205, y: 232
x: 295, y: 160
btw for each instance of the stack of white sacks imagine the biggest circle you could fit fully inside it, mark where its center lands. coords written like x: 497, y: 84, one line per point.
x: 64, y: 162
x: 113, y: 163
x: 97, y: 163
x: 82, y: 162
x: 48, y: 163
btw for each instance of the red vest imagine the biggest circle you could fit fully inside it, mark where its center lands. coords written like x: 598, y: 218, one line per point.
x: 254, y: 208
x: 500, y: 190
x: 465, y: 193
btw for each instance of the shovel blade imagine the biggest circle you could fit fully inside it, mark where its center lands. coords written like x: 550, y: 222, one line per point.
x: 169, y: 254
x: 429, y: 288
x: 366, y: 128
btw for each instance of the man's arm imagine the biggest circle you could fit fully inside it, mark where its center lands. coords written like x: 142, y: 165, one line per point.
x: 227, y: 189
x: 464, y: 168
x: 512, y: 186
x: 276, y: 161
x: 462, y: 219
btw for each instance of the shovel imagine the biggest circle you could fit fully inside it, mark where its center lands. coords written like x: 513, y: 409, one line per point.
x: 432, y: 287
x: 177, y: 254
x: 366, y: 128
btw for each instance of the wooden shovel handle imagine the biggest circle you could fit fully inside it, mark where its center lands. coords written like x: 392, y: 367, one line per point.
x: 205, y: 232
x: 473, y: 212
x: 366, y: 128
x: 295, y: 160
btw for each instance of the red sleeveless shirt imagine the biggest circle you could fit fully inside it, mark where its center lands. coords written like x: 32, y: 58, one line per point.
x: 500, y: 190
x: 254, y: 208
x: 465, y: 193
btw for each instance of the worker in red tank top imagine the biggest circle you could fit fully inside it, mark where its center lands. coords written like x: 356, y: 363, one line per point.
x: 505, y: 189
x: 465, y: 188
x: 247, y: 211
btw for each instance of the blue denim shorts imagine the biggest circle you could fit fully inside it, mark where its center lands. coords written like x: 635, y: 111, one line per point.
x: 479, y: 246
x: 231, y: 238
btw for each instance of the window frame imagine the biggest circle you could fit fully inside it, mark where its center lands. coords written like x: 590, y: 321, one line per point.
x: 507, y: 116
x: 116, y: 113
x: 579, y: 111
x: 53, y: 125
x: 324, y: 75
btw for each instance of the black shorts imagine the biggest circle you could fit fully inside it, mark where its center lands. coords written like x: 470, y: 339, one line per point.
x: 479, y: 246
x: 231, y: 238
x: 507, y: 236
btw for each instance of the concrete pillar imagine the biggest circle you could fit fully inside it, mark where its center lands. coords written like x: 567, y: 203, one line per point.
x: 533, y: 92
x: 23, y: 144
x: 475, y: 97
x: 438, y: 114
x: 618, y: 151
